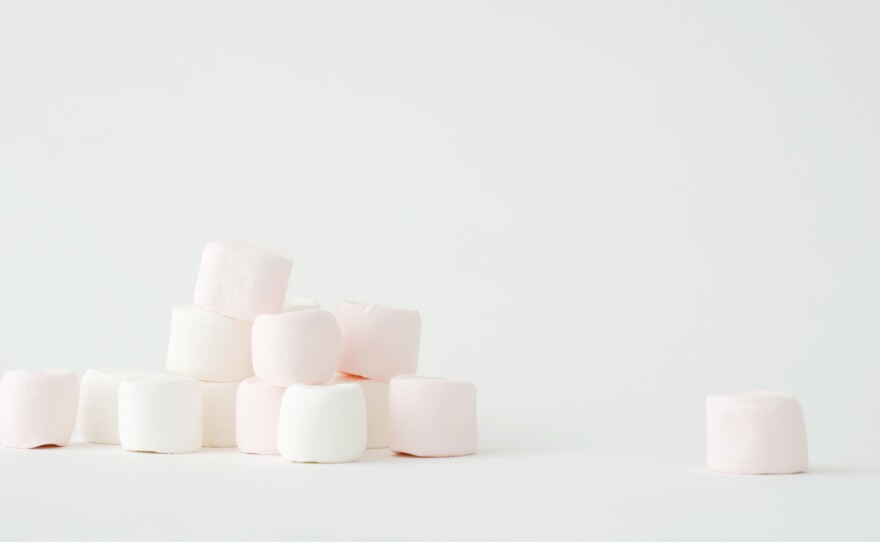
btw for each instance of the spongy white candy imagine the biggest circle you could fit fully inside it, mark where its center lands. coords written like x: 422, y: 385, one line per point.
x: 219, y: 414
x: 209, y: 346
x: 160, y: 414
x: 99, y: 404
x: 376, y: 397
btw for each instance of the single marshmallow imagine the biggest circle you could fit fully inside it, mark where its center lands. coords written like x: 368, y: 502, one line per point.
x: 378, y: 342
x: 432, y: 417
x: 376, y: 396
x: 99, y: 404
x: 160, y: 414
x: 295, y: 347
x: 242, y: 279
x: 218, y: 428
x: 257, y: 407
x: 209, y: 346
x: 300, y: 304
x: 322, y: 424
x: 759, y: 432
x: 37, y: 408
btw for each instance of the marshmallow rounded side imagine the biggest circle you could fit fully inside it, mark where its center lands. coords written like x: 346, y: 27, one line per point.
x: 38, y: 408
x: 209, y: 346
x: 160, y: 414
x: 242, y: 279
x: 295, y: 347
x: 376, y: 397
x: 755, y: 433
x: 378, y: 342
x: 218, y: 427
x: 99, y: 404
x: 257, y: 407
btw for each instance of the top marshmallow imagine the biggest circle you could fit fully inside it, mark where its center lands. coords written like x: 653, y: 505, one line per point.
x: 378, y: 342
x: 242, y: 279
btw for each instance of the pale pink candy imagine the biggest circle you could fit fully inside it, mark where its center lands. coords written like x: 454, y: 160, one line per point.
x: 37, y: 408
x: 257, y: 406
x: 298, y: 347
x: 378, y: 342
x: 432, y: 417
x: 241, y: 279
x: 755, y: 433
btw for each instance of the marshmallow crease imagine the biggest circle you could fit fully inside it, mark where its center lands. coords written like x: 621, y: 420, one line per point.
x: 209, y: 346
x: 322, y: 424
x: 99, y: 404
x: 242, y: 279
x: 755, y: 433
x: 37, y: 408
x: 432, y: 417
x: 218, y: 412
x: 378, y: 342
x: 376, y: 397
x: 295, y: 347
x: 160, y: 414
x: 257, y: 407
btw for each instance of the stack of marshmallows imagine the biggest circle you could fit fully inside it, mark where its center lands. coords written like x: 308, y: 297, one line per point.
x: 247, y: 369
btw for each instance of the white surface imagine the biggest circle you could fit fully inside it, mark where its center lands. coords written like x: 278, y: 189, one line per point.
x: 603, y: 212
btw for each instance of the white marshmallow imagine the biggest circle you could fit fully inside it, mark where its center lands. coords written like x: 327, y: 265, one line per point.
x: 322, y: 424
x: 160, y: 414
x: 219, y: 414
x: 242, y: 279
x: 376, y: 396
x: 378, y: 342
x: 209, y: 346
x: 300, y: 304
x: 295, y: 347
x: 99, y: 404
x: 755, y: 433
x: 37, y: 408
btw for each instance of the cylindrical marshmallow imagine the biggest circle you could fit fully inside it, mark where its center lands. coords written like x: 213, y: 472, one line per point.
x: 761, y: 432
x: 209, y: 346
x: 295, y: 347
x: 257, y: 407
x: 242, y: 279
x: 218, y: 428
x: 322, y: 424
x: 378, y: 342
x: 300, y: 304
x: 432, y: 417
x: 99, y: 404
x: 160, y: 414
x: 37, y: 408
x: 376, y: 396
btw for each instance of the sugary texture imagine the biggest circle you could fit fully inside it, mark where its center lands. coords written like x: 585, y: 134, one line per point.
x: 376, y: 396
x: 37, y: 408
x: 755, y: 433
x: 257, y: 407
x: 378, y: 342
x: 218, y: 427
x: 99, y: 404
x: 209, y: 346
x: 322, y: 424
x: 242, y: 279
x: 160, y: 414
x: 295, y: 347
x: 300, y: 304
x: 432, y: 417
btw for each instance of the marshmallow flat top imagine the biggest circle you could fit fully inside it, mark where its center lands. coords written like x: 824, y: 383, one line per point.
x: 295, y: 347
x: 38, y: 408
x: 99, y: 404
x: 242, y: 279
x: 378, y: 342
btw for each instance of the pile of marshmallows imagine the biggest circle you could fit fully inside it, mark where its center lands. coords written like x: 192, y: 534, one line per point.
x: 297, y: 405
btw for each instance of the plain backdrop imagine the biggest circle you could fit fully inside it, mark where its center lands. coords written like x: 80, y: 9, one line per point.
x: 603, y: 211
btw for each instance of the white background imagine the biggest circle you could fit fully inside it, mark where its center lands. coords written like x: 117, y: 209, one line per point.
x: 603, y: 211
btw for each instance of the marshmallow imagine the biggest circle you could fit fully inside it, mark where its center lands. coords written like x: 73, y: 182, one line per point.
x: 160, y: 414
x: 432, y: 417
x: 257, y: 406
x: 376, y: 396
x: 37, y: 408
x: 241, y: 279
x: 209, y: 346
x: 322, y: 424
x: 300, y: 304
x: 295, y: 347
x: 218, y: 428
x: 378, y: 342
x: 99, y: 404
x: 759, y: 432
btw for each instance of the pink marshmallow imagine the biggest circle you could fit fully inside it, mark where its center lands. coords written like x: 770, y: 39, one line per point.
x: 432, y: 417
x: 378, y: 342
x: 38, y: 408
x: 257, y: 407
x: 241, y: 279
x: 298, y: 347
